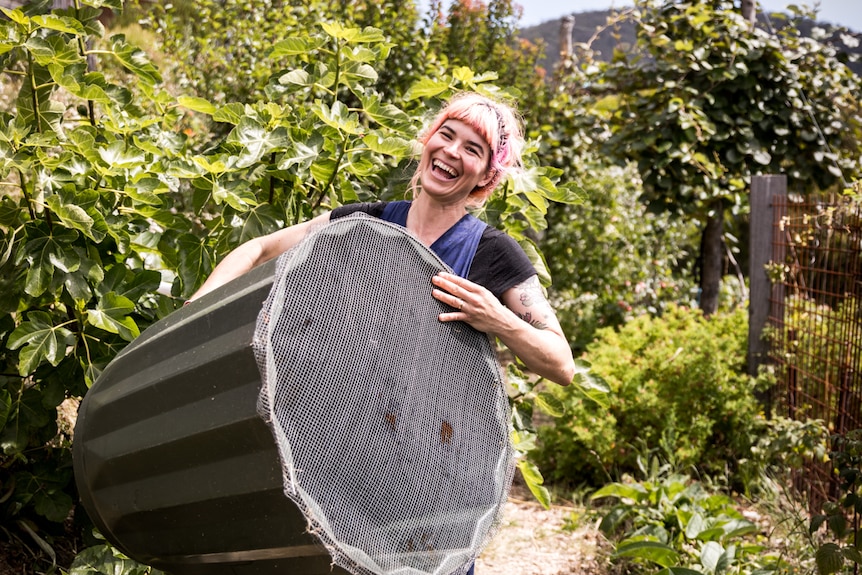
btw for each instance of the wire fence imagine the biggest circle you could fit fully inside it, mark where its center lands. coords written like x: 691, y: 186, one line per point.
x: 815, y: 320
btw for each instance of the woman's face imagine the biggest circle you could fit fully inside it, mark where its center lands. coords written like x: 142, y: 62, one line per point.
x: 454, y: 162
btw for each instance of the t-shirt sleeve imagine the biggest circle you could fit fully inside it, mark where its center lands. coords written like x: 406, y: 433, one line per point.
x: 500, y: 263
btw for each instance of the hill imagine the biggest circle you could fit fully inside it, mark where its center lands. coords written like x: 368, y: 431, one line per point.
x: 622, y: 35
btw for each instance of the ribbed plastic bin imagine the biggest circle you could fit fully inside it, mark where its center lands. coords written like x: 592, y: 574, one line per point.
x: 380, y: 429
x: 173, y: 463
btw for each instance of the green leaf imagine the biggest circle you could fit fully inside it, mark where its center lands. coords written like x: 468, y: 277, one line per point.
x: 16, y: 16
x: 195, y: 263
x: 352, y: 34
x: 235, y: 193
x: 696, y: 524
x: 338, y: 116
x: 852, y: 554
x: 112, y: 315
x: 135, y: 60
x: 387, y: 115
x: 613, y: 519
x: 550, y: 404
x: 634, y: 492
x: 62, y: 24
x: 117, y: 155
x: 197, y: 104
x: 523, y: 441
x: 44, y: 254
x: 116, y: 5
x: 829, y: 559
x: 537, y: 260
x: 41, y: 341
x: 231, y: 113
x: 71, y: 215
x: 296, y: 46
x: 653, y: 551
x: 533, y: 479
x: 303, y: 153
x: 711, y: 556
x: 54, y: 50
x: 425, y: 88
x: 739, y: 527
x: 5, y: 406
x: 36, y: 109
x: 54, y: 506
x: 296, y: 78
x: 105, y: 560
x: 590, y: 385
x: 323, y: 169
x: 257, y: 141
x: 391, y: 146
x: 678, y: 571
x: 261, y: 220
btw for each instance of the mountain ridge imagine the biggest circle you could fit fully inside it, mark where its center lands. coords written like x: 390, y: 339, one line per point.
x: 623, y: 34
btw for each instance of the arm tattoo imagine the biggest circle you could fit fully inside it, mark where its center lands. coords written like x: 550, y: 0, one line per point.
x: 531, y: 295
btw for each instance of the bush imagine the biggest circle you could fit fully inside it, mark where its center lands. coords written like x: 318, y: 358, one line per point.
x: 678, y: 380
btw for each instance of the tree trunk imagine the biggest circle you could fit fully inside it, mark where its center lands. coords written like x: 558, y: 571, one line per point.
x: 749, y: 10
x: 712, y: 257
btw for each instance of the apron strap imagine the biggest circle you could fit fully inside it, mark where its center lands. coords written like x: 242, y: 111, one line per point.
x: 457, y: 246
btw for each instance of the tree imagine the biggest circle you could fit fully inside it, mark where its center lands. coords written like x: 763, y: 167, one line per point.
x: 85, y: 162
x: 708, y: 100
x: 109, y: 217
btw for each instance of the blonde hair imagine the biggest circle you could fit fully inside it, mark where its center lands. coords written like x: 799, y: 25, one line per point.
x: 497, y: 123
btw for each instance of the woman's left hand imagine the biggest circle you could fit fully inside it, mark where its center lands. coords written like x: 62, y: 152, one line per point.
x: 472, y: 303
x: 524, y: 322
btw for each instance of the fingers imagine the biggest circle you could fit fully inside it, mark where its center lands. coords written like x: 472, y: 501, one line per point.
x: 451, y: 290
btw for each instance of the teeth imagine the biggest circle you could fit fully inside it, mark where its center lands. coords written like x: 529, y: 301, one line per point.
x: 441, y: 166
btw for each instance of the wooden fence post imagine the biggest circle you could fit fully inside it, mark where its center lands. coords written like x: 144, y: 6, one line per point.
x: 763, y: 190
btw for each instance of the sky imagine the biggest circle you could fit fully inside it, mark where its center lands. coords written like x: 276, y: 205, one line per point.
x: 846, y: 13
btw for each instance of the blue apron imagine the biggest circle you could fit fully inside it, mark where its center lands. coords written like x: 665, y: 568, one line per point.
x: 457, y: 246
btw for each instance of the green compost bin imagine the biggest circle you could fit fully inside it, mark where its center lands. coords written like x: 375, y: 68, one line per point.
x: 172, y: 461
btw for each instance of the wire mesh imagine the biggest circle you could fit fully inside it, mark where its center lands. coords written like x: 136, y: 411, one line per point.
x: 392, y: 427
x: 815, y: 323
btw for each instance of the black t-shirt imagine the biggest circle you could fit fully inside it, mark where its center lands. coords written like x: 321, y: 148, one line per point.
x: 500, y: 263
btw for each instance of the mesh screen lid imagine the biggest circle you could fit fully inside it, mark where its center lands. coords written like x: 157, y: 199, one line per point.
x: 392, y: 427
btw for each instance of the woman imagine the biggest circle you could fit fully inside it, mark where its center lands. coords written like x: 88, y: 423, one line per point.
x: 468, y: 148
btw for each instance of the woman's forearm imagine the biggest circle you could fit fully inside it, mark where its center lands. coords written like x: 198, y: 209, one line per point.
x: 544, y: 352
x: 257, y: 251
x: 238, y: 262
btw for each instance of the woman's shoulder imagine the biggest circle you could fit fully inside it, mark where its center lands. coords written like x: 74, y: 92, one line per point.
x: 371, y: 208
x: 499, y: 242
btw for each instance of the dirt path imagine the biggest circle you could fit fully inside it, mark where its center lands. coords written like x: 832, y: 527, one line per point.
x: 532, y: 541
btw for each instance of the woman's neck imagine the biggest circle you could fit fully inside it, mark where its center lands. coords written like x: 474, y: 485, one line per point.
x: 428, y: 220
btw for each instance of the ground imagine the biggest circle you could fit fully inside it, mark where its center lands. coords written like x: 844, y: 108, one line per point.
x: 533, y: 540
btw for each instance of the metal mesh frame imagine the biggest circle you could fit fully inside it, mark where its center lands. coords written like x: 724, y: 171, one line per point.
x: 392, y: 427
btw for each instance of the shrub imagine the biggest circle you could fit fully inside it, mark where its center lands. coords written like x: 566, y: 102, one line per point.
x: 678, y: 379
x: 611, y: 259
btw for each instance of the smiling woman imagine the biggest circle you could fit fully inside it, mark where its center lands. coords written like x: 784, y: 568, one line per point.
x: 490, y: 283
x: 468, y: 148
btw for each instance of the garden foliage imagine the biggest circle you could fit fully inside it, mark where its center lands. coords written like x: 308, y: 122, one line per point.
x: 109, y: 218
x: 612, y: 260
x: 670, y: 524
x: 678, y: 379
x: 707, y: 100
